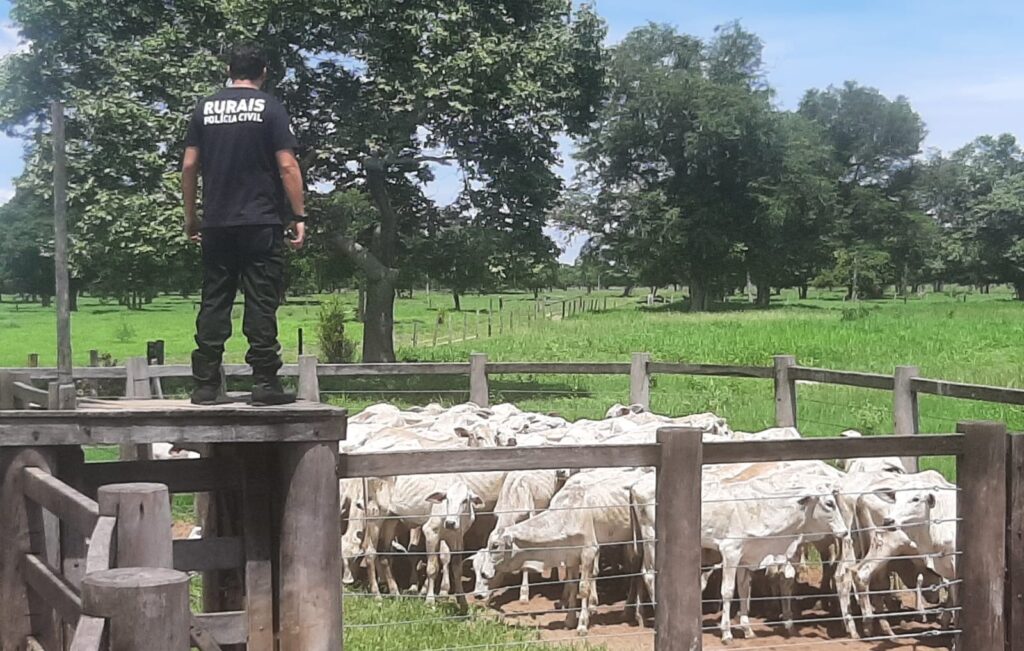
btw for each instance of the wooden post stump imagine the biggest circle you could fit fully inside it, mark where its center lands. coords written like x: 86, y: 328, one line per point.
x: 309, y: 382
x: 904, y: 408
x: 785, y: 392
x: 143, y: 513
x: 640, y: 380
x: 147, y: 607
x: 478, y: 389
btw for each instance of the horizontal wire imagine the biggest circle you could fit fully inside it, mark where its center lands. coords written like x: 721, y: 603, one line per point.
x: 821, y: 595
x: 878, y: 638
x: 491, y: 614
x: 840, y: 618
x: 808, y: 562
x: 533, y: 584
x: 397, y: 391
x: 376, y: 518
x: 520, y: 549
x: 819, y: 536
x: 783, y: 496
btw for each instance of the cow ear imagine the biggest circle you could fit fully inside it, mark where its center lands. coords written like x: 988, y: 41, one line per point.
x: 805, y: 500
x: 887, y: 494
x: 931, y: 500
x: 437, y: 497
x: 476, y: 499
x: 462, y: 432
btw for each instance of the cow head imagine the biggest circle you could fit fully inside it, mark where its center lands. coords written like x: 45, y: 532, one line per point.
x: 912, y: 508
x: 822, y: 513
x: 456, y: 507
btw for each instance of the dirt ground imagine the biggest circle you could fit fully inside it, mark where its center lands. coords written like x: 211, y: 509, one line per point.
x: 609, y: 627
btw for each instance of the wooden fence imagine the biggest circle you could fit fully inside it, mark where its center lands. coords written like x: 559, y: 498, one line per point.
x: 82, y: 574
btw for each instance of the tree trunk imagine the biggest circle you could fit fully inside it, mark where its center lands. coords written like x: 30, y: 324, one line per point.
x: 937, y: 286
x: 378, y: 324
x: 698, y: 295
x: 764, y: 295
x: 627, y: 291
x: 1019, y: 289
x: 458, y: 300
x: 803, y: 292
x: 47, y: 300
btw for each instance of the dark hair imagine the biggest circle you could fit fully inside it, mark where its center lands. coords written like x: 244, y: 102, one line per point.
x: 246, y: 62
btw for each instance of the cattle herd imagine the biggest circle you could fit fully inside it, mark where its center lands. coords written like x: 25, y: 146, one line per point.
x: 886, y: 538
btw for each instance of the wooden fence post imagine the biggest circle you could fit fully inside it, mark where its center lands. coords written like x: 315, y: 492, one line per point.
x: 904, y: 408
x: 61, y: 396
x: 982, y: 510
x: 310, y: 548
x: 433, y: 343
x: 7, y: 400
x: 1015, y: 543
x: 148, y: 607
x: 309, y: 382
x: 465, y: 326
x: 143, y: 513
x: 479, y: 392
x: 136, y: 385
x: 415, y: 334
x: 490, y: 325
x: 33, y: 360
x: 94, y: 358
x: 785, y: 392
x: 678, y: 614
x: 640, y: 380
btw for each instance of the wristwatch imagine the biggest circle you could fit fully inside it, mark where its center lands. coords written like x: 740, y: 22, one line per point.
x: 298, y: 218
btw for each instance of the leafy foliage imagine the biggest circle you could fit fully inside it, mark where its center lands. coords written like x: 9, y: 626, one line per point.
x: 335, y: 347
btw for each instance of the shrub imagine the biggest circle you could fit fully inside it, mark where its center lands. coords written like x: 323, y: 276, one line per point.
x: 335, y: 347
x: 125, y: 332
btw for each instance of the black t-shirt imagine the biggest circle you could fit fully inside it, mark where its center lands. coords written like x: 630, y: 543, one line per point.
x: 238, y: 132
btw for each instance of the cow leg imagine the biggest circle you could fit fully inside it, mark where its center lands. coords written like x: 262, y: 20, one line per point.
x: 786, y: 585
x: 454, y: 571
x: 570, y: 595
x: 588, y: 592
x: 387, y: 538
x: 433, y: 549
x: 729, y: 564
x: 524, y: 588
x: 743, y: 579
x: 845, y: 589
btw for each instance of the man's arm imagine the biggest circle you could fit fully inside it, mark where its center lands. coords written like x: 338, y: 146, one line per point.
x: 189, y: 189
x: 291, y: 177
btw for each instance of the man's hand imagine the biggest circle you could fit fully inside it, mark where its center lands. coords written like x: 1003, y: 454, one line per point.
x: 192, y: 229
x: 299, y: 231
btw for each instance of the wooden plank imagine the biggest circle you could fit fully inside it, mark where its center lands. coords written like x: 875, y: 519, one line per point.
x: 180, y: 475
x: 137, y: 384
x: 982, y: 566
x: 139, y: 426
x: 558, y: 368
x: 51, y: 588
x: 309, y: 598
x: 349, y: 370
x: 208, y: 554
x: 385, y: 464
x: 640, y: 380
x: 27, y: 394
x: 22, y: 612
x: 60, y: 499
x: 79, y: 373
x: 309, y: 383
x: 102, y: 551
x: 479, y: 391
x: 833, y: 448
x: 257, y: 507
x: 846, y: 378
x: 230, y: 370
x: 73, y: 548
x: 969, y: 391
x: 719, y: 370
x: 147, y: 607
x: 678, y: 560
x: 90, y: 634
x: 785, y: 391
x: 1015, y: 543
x: 7, y: 401
x: 226, y: 628
x: 200, y: 637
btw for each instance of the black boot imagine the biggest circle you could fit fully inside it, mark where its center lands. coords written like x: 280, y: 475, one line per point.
x: 268, y: 391
x: 208, y: 394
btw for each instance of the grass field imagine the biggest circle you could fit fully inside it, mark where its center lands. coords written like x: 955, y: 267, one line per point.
x: 975, y: 341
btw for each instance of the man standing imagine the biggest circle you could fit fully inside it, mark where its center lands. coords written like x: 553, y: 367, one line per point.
x: 241, y: 140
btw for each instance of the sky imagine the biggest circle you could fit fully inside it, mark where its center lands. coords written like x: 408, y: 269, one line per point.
x: 959, y: 62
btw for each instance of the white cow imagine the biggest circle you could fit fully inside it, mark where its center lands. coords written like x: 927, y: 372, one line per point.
x: 872, y: 464
x: 590, y: 512
x: 523, y: 495
x: 168, y: 451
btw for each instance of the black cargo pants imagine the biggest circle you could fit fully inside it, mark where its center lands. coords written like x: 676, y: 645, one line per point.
x: 254, y: 257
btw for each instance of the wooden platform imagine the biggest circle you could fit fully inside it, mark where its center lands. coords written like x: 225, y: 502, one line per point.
x: 106, y: 422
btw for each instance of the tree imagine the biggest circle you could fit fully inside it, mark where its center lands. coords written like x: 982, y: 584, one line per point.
x: 680, y: 143
x: 26, y: 248
x: 1000, y: 220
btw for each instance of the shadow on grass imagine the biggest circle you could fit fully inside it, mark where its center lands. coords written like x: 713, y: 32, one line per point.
x: 683, y: 307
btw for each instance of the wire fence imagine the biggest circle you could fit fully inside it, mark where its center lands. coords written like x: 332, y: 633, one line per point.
x: 775, y: 542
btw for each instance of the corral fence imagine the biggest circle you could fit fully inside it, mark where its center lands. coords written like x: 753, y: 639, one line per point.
x: 990, y: 471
